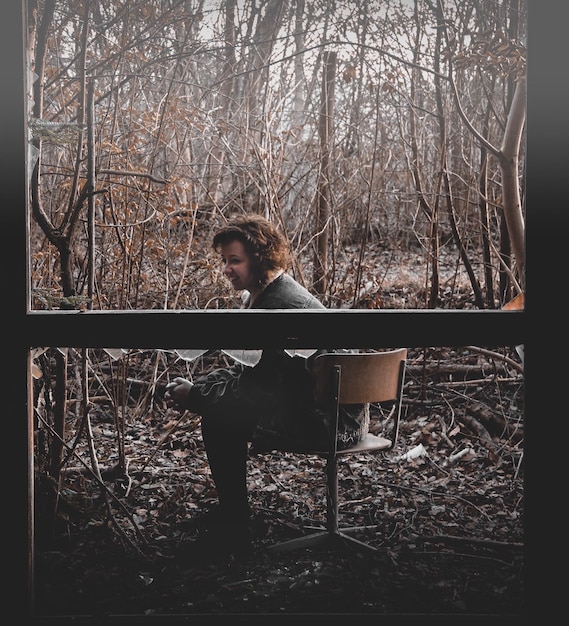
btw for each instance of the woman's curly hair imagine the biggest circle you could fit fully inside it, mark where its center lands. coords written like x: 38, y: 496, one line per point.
x: 264, y: 243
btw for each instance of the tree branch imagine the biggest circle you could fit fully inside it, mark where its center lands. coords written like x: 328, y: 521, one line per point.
x: 151, y: 177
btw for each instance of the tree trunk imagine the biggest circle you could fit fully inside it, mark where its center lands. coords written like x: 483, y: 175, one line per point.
x: 325, y: 131
x: 510, y: 186
x: 60, y: 390
x: 216, y: 157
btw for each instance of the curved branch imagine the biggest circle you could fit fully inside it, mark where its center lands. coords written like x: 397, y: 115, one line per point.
x: 516, y: 121
x: 497, y: 355
x: 150, y: 177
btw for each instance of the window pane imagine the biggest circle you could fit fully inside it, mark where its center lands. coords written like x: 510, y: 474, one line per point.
x: 389, y: 197
x: 120, y: 478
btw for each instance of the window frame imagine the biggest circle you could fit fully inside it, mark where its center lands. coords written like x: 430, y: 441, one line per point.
x: 172, y: 329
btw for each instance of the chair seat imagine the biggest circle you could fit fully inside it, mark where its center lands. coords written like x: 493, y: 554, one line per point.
x: 369, y: 443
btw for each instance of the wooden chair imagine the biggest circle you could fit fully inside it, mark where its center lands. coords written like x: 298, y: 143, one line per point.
x: 371, y: 377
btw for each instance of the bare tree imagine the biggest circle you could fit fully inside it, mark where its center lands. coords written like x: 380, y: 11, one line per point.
x: 323, y: 209
x: 200, y: 111
x: 508, y: 152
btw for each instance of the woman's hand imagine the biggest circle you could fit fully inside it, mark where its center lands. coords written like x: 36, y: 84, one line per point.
x: 177, y: 393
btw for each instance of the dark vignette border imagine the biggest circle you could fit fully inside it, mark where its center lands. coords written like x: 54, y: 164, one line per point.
x: 546, y: 251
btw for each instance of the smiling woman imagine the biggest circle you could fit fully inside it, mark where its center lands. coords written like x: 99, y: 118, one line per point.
x: 270, y: 404
x: 254, y: 253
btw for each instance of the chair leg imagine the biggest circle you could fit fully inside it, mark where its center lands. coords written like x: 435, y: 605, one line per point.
x: 359, y: 545
x: 332, y: 494
x: 323, y: 538
x: 308, y: 541
x: 332, y: 536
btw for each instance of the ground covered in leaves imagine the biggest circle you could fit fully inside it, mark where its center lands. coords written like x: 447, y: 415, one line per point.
x: 447, y: 525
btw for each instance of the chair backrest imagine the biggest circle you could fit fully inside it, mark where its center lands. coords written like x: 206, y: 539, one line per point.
x: 364, y: 377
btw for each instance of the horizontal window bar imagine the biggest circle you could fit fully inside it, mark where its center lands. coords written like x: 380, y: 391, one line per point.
x: 273, y: 328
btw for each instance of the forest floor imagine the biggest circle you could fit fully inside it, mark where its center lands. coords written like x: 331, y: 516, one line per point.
x: 448, y: 525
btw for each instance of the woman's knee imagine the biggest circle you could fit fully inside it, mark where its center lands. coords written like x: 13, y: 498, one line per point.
x: 228, y: 426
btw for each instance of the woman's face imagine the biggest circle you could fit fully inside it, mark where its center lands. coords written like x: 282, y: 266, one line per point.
x: 237, y: 266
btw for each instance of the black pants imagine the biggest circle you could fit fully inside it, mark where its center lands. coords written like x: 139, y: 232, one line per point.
x: 226, y: 445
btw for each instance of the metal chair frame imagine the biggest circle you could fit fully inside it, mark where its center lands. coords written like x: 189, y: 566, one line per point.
x: 368, y: 377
